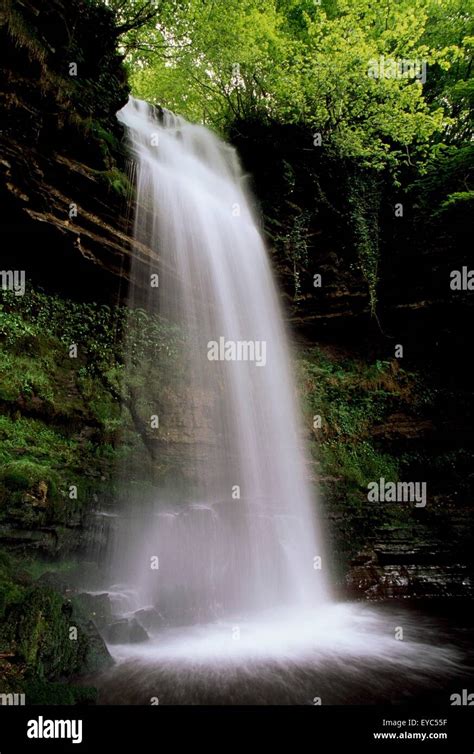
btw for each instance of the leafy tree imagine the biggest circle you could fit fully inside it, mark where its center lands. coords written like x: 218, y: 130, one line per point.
x: 449, y: 30
x: 310, y: 62
x: 300, y: 61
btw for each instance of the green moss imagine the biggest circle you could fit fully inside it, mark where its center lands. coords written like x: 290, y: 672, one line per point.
x: 24, y: 378
x: 47, y: 640
x: 357, y: 463
x: 364, y: 197
x: 38, y: 629
x: 353, y: 398
x: 37, y: 568
x: 104, y: 135
x: 103, y: 335
x: 23, y: 33
x: 29, y: 493
x: 10, y: 591
x: 25, y: 475
x: 66, y: 420
x: 38, y: 691
x: 34, y: 441
x: 117, y: 181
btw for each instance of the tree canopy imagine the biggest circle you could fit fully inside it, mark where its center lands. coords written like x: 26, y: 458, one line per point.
x: 377, y: 79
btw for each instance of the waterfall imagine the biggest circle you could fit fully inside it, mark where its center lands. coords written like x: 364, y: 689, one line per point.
x: 246, y: 537
x: 236, y: 611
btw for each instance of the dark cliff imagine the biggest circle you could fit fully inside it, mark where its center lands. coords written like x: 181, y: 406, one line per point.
x: 64, y: 185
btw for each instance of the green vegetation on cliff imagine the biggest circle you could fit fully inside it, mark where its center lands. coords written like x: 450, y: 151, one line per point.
x: 65, y: 431
x: 43, y: 640
x: 64, y: 392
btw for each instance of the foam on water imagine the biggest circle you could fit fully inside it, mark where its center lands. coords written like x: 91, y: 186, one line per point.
x: 341, y: 654
x: 312, y: 637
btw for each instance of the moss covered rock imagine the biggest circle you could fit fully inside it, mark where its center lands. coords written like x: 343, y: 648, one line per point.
x: 45, y: 641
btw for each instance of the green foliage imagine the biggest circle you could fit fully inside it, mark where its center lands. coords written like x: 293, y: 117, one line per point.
x: 32, y: 453
x: 35, y: 637
x: 359, y: 462
x: 20, y: 376
x: 39, y: 691
x: 28, y: 319
x: 355, y: 400
x: 312, y: 64
x: 66, y: 420
x: 37, y: 630
x: 103, y: 335
x: 31, y: 494
x: 352, y: 398
x: 24, y: 475
x: 449, y: 30
x: 45, y: 398
x: 300, y: 61
x: 442, y: 197
x: 147, y: 336
x: 10, y: 591
x: 459, y: 200
x: 351, y: 395
x: 35, y: 568
x: 108, y: 140
x: 364, y: 198
x: 296, y: 246
x: 449, y: 170
x: 116, y: 181
x: 35, y: 442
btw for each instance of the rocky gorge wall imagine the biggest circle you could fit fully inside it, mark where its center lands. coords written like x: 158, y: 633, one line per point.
x: 63, y: 182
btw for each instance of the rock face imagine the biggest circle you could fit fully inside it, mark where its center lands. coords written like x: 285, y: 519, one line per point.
x: 403, y: 570
x: 63, y: 186
x: 305, y: 214
x: 404, y: 551
x: 37, y: 648
x: 328, y: 216
x: 126, y: 631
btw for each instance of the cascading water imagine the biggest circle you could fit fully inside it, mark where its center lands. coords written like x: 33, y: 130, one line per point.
x: 246, y: 539
x: 236, y: 610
